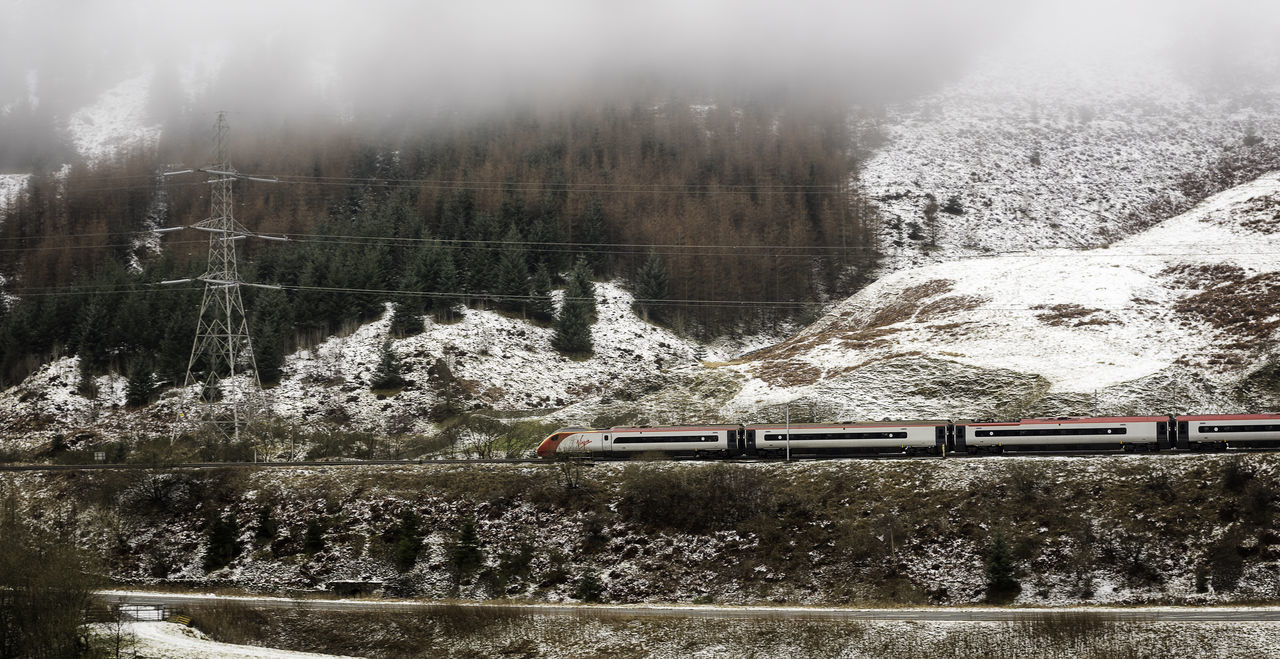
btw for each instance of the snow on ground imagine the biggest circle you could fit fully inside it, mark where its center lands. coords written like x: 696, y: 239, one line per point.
x: 1083, y: 320
x: 115, y: 121
x: 505, y: 362
x: 11, y: 186
x: 1044, y: 150
x: 167, y: 639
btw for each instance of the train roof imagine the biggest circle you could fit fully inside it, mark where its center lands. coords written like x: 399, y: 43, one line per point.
x: 669, y: 428
x: 1066, y: 419
x: 851, y: 424
x: 1228, y: 417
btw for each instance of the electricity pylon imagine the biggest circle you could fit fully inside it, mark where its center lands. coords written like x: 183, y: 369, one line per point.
x: 229, y: 393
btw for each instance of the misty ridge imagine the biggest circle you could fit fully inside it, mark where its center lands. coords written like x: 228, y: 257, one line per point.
x: 405, y: 65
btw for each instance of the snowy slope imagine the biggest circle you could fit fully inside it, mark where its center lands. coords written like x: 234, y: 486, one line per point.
x: 1044, y: 149
x: 1142, y: 321
x: 10, y: 187
x: 500, y: 361
x: 116, y: 121
x: 503, y: 363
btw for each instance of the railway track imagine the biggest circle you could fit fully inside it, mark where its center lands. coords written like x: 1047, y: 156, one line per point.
x: 176, y: 601
x: 338, y: 464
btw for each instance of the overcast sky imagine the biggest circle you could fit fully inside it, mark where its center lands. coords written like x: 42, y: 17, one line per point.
x: 484, y: 51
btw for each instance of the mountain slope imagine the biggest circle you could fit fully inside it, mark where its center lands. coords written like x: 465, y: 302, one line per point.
x: 1035, y: 148
x: 1168, y: 320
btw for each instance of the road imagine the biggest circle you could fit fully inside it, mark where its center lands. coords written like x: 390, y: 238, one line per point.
x: 952, y: 614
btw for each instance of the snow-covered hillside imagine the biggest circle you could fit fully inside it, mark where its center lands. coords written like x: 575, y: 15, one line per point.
x: 10, y: 186
x: 1167, y: 320
x: 115, y: 122
x: 1035, y: 148
x: 499, y: 361
x: 1177, y: 318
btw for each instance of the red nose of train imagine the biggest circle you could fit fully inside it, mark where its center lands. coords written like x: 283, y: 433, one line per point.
x: 547, y: 449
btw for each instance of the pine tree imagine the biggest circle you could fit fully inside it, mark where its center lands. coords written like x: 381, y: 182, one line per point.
x: 513, y: 272
x: 573, y: 330
x: 931, y: 218
x: 593, y: 233
x: 581, y: 288
x: 90, y: 336
x: 175, y: 350
x: 448, y: 281
x: 404, y: 322
x: 86, y: 386
x: 573, y: 324
x: 541, y: 306
x: 141, y: 385
x: 268, y: 353
x: 651, y: 286
x: 388, y: 374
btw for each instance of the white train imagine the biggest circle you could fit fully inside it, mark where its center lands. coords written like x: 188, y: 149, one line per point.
x: 1130, y: 433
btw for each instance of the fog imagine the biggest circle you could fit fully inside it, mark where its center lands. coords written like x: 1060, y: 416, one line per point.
x: 388, y: 58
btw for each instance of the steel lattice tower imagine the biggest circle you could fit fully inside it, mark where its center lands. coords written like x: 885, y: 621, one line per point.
x: 222, y: 352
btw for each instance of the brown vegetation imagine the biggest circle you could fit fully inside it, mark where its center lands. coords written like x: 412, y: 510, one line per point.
x: 1071, y: 315
x: 1266, y: 214
x: 951, y: 305
x: 1243, y: 310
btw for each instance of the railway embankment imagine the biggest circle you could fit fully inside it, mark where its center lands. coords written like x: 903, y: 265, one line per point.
x: 1115, y: 529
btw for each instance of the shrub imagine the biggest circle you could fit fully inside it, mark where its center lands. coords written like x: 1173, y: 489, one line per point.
x: 1235, y: 474
x: 313, y: 538
x: 589, y: 588
x: 1225, y: 562
x: 1002, y: 580
x: 408, y: 540
x: 466, y: 555
x: 267, y: 526
x: 223, y: 548
x: 694, y: 499
x: 44, y: 593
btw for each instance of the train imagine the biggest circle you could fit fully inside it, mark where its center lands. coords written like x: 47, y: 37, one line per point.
x: 1206, y: 432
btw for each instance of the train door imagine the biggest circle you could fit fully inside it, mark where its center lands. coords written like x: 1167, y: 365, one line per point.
x: 1184, y: 436
x: 750, y: 447
x: 958, y: 437
x: 1162, y: 435
x: 940, y: 436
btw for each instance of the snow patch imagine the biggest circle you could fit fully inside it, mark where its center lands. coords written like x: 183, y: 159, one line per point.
x: 116, y: 121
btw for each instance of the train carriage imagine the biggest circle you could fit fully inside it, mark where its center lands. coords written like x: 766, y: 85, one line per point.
x: 624, y: 442
x: 1144, y: 433
x: 1216, y: 432
x: 910, y: 437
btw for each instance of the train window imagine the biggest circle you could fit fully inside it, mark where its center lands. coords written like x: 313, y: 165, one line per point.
x: 665, y: 439
x: 1269, y: 427
x: 1049, y: 432
x: 810, y: 436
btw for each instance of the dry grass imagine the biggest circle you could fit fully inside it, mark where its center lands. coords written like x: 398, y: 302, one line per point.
x: 590, y: 633
x: 1240, y: 309
x: 1266, y: 218
x: 951, y: 305
x: 1201, y: 277
x: 908, y: 302
x: 1071, y: 315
